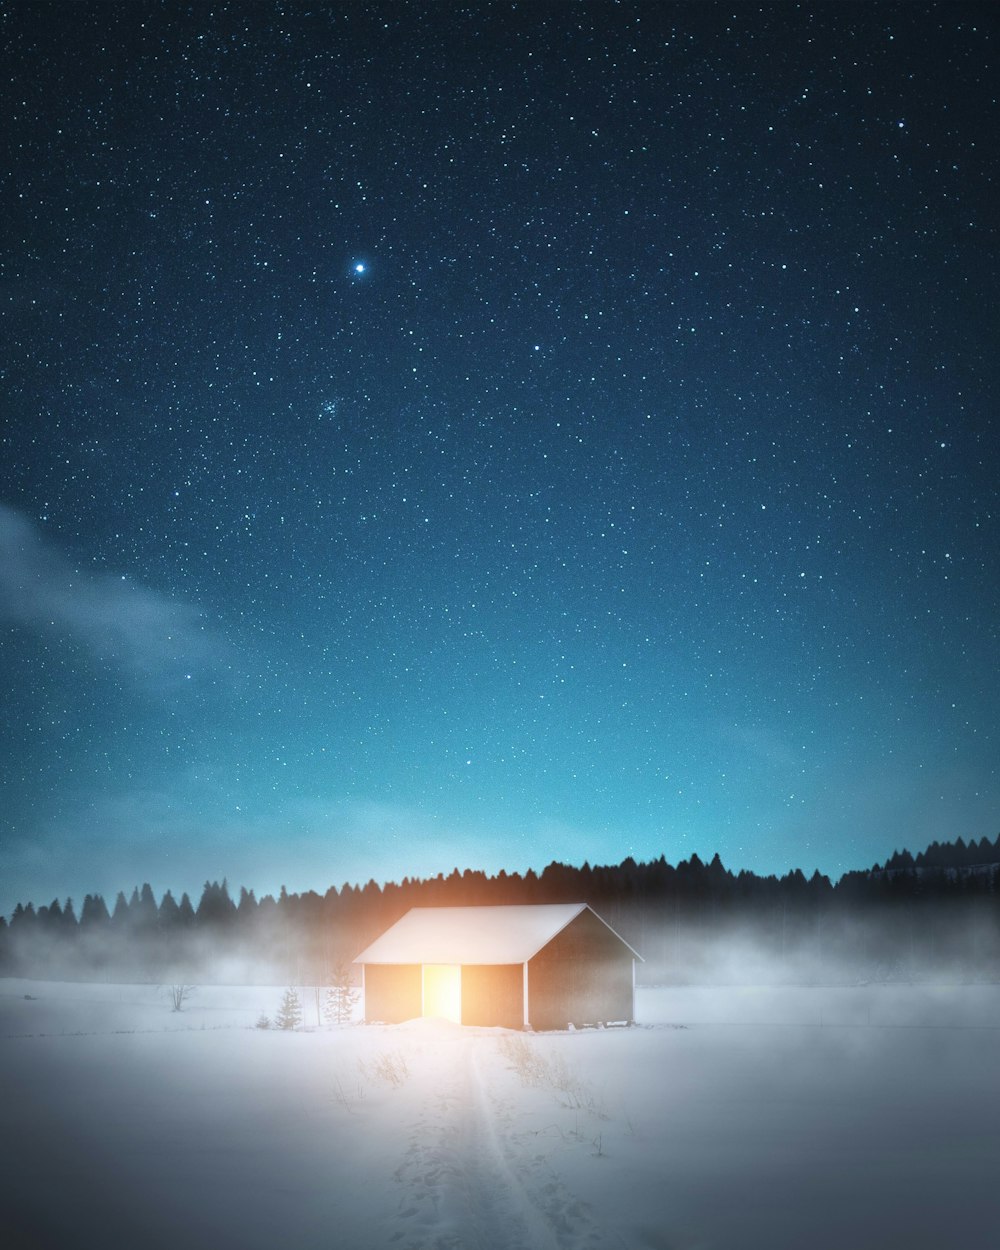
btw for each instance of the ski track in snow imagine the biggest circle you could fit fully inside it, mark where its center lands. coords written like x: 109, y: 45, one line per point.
x: 469, y: 1185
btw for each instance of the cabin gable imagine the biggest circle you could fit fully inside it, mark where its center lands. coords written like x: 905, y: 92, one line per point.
x: 583, y: 976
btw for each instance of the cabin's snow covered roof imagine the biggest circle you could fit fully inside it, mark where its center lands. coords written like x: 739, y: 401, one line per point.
x: 471, y: 935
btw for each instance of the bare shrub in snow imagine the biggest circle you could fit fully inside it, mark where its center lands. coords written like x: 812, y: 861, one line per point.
x: 346, y: 1098
x: 534, y: 1068
x: 568, y: 1083
x: 524, y: 1059
x: 177, y: 995
x: 388, y: 1066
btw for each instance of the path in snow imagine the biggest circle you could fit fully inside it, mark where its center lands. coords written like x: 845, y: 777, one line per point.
x: 471, y: 1180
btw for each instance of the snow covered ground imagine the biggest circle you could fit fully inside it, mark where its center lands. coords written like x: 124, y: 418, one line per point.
x: 731, y: 1119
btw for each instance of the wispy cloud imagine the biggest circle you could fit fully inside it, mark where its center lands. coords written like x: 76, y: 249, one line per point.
x: 144, y: 632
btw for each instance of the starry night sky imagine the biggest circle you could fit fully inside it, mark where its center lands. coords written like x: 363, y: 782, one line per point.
x: 441, y: 436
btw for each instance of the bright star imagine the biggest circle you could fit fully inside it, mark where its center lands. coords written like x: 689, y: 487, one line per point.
x: 360, y: 267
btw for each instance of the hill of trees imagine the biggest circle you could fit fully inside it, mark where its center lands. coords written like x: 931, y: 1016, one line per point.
x: 936, y: 913
x: 958, y: 855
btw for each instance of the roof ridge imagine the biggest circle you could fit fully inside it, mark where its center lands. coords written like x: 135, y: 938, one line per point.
x: 470, y: 934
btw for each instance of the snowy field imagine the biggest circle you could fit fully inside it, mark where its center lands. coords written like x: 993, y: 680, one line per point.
x: 730, y: 1119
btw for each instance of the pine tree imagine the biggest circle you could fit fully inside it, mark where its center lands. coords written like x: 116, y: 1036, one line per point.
x: 169, y: 916
x: 95, y: 912
x: 145, y: 911
x: 216, y: 908
x: 119, y: 917
x: 186, y: 911
x: 341, y: 997
x: 246, y: 908
x: 289, y: 1014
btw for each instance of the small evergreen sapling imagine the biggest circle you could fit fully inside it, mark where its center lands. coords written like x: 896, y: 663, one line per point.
x: 289, y: 1014
x: 341, y: 997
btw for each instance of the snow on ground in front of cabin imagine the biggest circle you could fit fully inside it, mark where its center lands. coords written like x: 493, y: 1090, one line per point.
x: 731, y: 1119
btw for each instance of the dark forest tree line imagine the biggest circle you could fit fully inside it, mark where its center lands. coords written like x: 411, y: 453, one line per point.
x: 938, y: 910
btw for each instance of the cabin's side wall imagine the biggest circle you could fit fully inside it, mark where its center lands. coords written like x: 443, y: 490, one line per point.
x: 392, y: 992
x: 583, y: 976
x: 493, y: 995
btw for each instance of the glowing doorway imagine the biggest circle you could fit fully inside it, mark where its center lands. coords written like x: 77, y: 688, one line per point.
x: 443, y: 991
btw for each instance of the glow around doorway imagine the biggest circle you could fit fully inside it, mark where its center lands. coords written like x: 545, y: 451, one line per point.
x: 442, y: 991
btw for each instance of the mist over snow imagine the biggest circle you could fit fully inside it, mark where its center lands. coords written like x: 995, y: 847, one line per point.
x: 728, y: 1119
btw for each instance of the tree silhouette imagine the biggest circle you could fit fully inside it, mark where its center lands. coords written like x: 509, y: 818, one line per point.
x: 94, y: 913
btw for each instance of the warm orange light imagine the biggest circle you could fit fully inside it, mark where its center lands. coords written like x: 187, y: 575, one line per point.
x: 443, y: 991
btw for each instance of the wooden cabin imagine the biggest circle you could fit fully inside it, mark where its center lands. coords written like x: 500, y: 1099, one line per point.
x: 524, y: 967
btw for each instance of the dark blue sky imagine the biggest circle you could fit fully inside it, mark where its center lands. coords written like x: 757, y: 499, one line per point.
x: 445, y: 437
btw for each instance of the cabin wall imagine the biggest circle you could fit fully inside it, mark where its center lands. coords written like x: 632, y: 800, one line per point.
x: 493, y: 995
x: 583, y: 976
x: 392, y: 992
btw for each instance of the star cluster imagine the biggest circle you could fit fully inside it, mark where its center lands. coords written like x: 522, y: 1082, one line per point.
x: 479, y: 435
